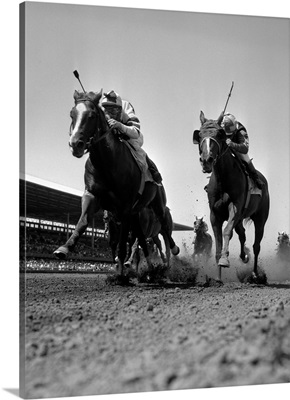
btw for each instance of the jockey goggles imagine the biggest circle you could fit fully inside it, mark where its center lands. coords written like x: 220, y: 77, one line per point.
x: 113, y: 111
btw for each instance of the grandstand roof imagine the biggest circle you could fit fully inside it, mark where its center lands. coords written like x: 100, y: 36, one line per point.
x: 45, y: 200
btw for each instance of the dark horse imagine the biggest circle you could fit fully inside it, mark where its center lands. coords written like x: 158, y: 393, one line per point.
x: 227, y: 194
x: 283, y: 248
x: 112, y: 177
x: 151, y: 227
x: 112, y: 232
x: 202, y: 239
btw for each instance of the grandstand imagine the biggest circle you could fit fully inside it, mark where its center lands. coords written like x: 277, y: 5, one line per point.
x: 48, y: 215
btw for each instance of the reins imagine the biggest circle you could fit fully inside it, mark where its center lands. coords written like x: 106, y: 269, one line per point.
x: 219, y: 155
x: 209, y: 137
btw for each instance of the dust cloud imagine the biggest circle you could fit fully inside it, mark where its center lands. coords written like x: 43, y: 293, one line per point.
x: 276, y: 266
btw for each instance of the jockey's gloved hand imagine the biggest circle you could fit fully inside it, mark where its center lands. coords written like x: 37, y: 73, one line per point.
x: 230, y: 143
x: 115, y: 124
x: 130, y: 131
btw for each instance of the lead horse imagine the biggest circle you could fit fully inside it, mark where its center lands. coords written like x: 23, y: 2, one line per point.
x: 227, y: 193
x: 112, y: 177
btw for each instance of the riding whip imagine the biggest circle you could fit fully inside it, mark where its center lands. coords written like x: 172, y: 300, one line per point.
x: 228, y: 97
x: 76, y: 74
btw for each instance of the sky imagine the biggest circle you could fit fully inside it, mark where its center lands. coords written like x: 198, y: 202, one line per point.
x: 188, y: 64
x: 170, y: 65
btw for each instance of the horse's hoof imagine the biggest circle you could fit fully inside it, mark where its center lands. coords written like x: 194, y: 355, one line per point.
x: 175, y: 250
x: 61, y: 253
x: 212, y: 282
x: 128, y: 264
x: 224, y: 262
x: 245, y: 259
x: 255, y: 279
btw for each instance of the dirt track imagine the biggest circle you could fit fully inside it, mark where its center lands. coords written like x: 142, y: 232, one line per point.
x: 85, y: 337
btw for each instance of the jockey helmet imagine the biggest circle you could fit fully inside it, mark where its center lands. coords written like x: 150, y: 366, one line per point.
x: 229, y: 123
x: 112, y: 99
x: 112, y: 104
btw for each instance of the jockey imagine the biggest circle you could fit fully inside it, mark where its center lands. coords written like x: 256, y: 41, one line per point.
x: 121, y: 115
x: 238, y: 140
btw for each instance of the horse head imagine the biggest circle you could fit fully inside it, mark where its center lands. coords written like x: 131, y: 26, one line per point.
x: 283, y: 238
x: 210, y: 138
x: 87, y: 120
x: 200, y: 225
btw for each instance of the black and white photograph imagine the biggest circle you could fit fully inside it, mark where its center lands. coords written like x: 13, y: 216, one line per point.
x: 153, y: 220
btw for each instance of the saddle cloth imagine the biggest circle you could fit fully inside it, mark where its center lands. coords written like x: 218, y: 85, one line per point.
x: 252, y: 189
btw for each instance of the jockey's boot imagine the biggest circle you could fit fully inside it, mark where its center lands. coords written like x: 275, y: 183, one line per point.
x: 154, y: 171
x: 254, y: 175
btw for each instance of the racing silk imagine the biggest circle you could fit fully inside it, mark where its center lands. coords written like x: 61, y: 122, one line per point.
x: 240, y: 139
x: 128, y: 115
x: 131, y: 128
x: 131, y: 124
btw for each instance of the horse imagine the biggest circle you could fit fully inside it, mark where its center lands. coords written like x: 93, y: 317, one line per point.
x: 283, y: 246
x: 151, y: 228
x: 112, y: 177
x: 227, y: 193
x: 112, y: 232
x: 202, y: 239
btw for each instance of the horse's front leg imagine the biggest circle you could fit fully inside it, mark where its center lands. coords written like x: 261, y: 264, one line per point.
x: 89, y: 207
x: 122, y: 247
x: 227, y: 235
x: 133, y: 251
x: 157, y: 241
x: 242, y: 237
x: 259, y: 233
x: 216, y: 224
x: 163, y: 214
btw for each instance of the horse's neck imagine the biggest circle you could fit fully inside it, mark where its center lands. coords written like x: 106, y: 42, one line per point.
x: 113, y: 162
x: 200, y: 233
x: 228, y: 171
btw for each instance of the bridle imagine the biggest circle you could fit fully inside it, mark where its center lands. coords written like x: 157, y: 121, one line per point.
x: 213, y: 139
x: 219, y: 153
x: 92, y: 139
